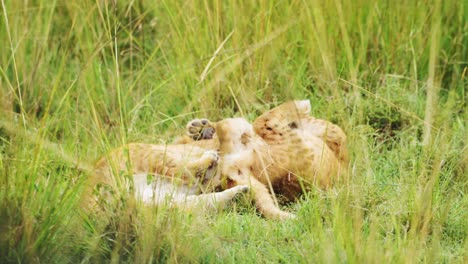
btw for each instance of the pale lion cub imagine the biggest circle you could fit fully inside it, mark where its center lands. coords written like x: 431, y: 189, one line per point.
x: 178, y: 175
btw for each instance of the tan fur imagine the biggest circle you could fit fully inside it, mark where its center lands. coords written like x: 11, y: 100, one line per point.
x: 182, y: 169
x: 183, y: 161
x: 244, y: 161
x: 285, y: 150
x: 311, y: 150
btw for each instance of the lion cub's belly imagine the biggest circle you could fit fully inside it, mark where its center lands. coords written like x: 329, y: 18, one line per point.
x: 161, y: 190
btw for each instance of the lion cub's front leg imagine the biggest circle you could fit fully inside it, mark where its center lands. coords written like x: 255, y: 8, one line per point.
x: 200, y: 129
x: 262, y: 197
x: 200, y: 133
x: 240, y: 149
x: 207, y: 160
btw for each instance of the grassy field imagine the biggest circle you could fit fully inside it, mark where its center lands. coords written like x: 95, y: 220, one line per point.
x: 80, y: 77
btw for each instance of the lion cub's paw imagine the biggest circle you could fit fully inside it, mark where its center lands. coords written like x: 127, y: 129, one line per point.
x: 287, y: 216
x: 237, y: 190
x: 200, y: 129
x: 211, y: 157
x: 241, y: 188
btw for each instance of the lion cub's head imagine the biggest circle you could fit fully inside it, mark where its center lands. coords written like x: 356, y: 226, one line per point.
x: 272, y: 124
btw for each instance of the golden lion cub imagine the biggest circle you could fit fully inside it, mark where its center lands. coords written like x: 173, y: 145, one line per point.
x: 312, y: 152
x: 286, y: 151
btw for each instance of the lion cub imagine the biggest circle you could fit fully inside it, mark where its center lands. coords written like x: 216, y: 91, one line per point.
x: 178, y: 174
x: 286, y: 150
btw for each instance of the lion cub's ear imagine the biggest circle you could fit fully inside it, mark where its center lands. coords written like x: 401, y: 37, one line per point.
x: 303, y: 106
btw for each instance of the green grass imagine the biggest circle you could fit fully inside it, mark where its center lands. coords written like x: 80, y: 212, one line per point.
x: 80, y: 77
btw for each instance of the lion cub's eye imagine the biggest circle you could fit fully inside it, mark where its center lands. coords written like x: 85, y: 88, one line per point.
x: 293, y: 125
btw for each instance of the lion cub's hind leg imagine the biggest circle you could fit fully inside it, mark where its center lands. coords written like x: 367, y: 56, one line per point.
x: 330, y: 133
x: 163, y: 191
x: 212, y: 201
